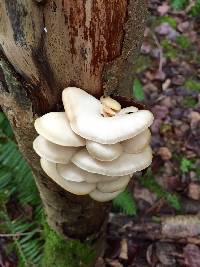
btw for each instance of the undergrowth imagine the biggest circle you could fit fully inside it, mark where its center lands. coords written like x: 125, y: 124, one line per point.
x: 17, y: 186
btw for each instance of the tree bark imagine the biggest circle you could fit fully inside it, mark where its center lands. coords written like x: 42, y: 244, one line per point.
x: 47, y: 46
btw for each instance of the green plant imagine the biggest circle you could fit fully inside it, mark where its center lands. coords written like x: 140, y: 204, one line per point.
x: 142, y: 63
x: 148, y: 181
x: 192, y: 85
x: 183, y: 41
x: 186, y: 165
x: 189, y: 102
x: 195, y: 10
x: 167, y: 19
x: 138, y: 90
x: 169, y: 51
x: 17, y: 184
x: 179, y: 4
x: 125, y: 203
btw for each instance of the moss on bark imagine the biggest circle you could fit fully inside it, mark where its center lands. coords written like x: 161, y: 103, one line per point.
x: 65, y: 253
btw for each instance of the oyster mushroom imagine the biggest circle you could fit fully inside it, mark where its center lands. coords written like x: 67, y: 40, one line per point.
x: 104, y: 152
x: 103, y: 197
x: 114, y: 186
x: 52, y: 152
x: 84, y: 113
x: 77, y: 188
x: 72, y: 173
x: 55, y: 127
x: 137, y: 143
x: 124, y: 165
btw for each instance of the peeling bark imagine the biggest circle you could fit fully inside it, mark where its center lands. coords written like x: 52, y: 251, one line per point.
x: 47, y: 46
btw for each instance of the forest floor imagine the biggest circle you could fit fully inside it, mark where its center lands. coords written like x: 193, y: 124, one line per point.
x: 167, y: 80
x: 165, y: 230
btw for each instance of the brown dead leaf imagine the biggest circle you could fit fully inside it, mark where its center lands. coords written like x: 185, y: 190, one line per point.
x: 165, y: 153
x: 163, y: 9
x: 194, y: 191
x: 192, y: 255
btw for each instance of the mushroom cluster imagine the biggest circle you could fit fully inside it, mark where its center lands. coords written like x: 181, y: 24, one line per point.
x: 95, y: 146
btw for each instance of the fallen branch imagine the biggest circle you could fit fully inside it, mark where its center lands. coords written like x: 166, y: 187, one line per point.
x: 179, y: 228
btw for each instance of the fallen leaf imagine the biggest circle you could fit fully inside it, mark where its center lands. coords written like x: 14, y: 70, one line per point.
x: 163, y: 9
x: 165, y: 153
x: 194, y: 191
x: 192, y: 255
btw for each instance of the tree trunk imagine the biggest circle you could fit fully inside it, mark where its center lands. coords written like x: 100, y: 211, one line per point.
x: 47, y: 46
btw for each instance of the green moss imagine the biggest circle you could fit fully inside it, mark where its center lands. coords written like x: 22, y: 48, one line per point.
x: 61, y: 253
x: 189, y: 102
x: 183, y: 41
x: 192, y: 85
x: 142, y: 63
x: 169, y: 51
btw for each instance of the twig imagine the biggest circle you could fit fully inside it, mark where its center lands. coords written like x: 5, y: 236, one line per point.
x: 160, y: 52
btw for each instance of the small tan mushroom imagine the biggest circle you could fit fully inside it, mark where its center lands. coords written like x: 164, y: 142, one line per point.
x: 84, y: 113
x: 107, y: 112
x: 52, y: 152
x: 124, y: 165
x: 111, y: 103
x: 103, y: 197
x: 137, y: 143
x: 104, y: 152
x: 114, y: 186
x: 55, y: 127
x: 81, y: 188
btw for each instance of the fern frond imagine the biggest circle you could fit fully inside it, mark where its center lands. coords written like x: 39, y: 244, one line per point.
x: 16, y: 181
x: 125, y: 203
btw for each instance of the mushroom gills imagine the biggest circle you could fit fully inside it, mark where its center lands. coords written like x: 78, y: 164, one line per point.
x: 81, y: 188
x: 52, y: 152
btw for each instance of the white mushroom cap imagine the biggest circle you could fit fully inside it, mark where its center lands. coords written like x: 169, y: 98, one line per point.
x: 55, y: 127
x: 103, y: 197
x: 52, y: 152
x: 72, y: 173
x: 137, y: 143
x: 81, y: 188
x: 114, y: 186
x: 104, y: 152
x: 124, y: 165
x: 84, y: 114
